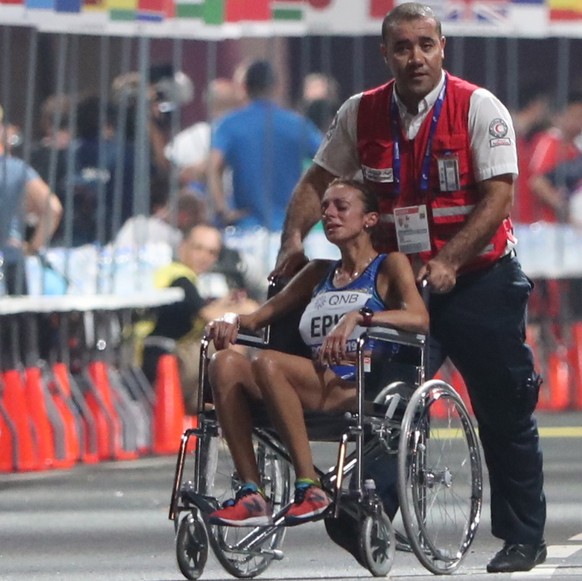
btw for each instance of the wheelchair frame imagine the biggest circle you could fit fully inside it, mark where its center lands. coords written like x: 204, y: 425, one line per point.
x: 440, y: 483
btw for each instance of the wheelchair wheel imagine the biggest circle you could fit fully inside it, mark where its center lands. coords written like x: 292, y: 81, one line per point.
x: 245, y: 551
x: 377, y: 544
x: 191, y: 545
x: 440, y: 483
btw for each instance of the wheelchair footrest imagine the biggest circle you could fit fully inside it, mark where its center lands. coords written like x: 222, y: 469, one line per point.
x: 190, y: 498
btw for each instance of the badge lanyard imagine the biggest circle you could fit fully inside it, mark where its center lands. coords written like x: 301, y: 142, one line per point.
x: 438, y: 106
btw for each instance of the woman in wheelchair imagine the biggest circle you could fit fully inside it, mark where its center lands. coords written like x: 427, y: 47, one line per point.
x: 339, y: 299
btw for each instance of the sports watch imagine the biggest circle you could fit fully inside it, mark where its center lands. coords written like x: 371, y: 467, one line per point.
x: 367, y: 313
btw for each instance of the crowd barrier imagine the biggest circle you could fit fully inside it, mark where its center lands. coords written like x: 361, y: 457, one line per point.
x: 55, y: 412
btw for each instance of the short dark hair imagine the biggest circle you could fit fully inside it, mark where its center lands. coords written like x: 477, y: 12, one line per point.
x: 260, y: 78
x: 368, y: 196
x: 407, y: 12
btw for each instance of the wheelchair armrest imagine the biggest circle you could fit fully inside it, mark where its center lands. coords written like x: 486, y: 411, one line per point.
x: 386, y: 333
x: 250, y: 339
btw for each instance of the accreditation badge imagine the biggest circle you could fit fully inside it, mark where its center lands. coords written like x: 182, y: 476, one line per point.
x: 449, y: 173
x: 412, y: 229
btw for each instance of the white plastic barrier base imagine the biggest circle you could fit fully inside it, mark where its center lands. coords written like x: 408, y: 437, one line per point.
x: 549, y: 250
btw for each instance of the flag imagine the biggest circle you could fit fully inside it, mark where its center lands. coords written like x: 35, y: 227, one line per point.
x: 122, y: 10
x: 40, y: 4
x: 73, y: 6
x: 243, y: 10
x: 379, y: 8
x: 189, y: 8
x: 293, y: 10
x: 95, y: 5
x: 493, y: 12
x: 565, y: 10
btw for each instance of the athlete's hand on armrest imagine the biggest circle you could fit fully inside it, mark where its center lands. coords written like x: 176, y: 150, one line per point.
x: 224, y: 331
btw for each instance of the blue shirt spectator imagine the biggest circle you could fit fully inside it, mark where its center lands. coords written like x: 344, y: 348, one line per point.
x: 266, y: 147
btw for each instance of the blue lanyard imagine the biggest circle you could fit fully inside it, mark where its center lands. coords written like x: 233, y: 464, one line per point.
x: 396, y: 165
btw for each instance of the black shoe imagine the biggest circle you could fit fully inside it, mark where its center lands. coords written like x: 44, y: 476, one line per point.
x: 517, y: 558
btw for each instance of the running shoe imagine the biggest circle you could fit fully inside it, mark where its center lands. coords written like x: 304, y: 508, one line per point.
x: 249, y: 508
x: 310, y: 502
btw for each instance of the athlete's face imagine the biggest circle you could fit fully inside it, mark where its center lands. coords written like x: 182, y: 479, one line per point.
x: 414, y: 51
x: 343, y: 213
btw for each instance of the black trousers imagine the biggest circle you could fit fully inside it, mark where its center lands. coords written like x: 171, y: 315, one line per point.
x: 480, y: 326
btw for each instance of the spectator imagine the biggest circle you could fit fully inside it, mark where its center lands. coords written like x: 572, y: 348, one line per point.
x: 189, y: 150
x: 530, y: 120
x: 96, y: 164
x: 320, y: 99
x: 565, y: 181
x: 556, y: 145
x: 178, y: 327
x: 266, y: 147
x: 160, y: 226
x: 26, y: 201
x: 54, y: 142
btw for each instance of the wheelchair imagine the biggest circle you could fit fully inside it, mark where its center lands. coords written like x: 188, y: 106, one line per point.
x: 423, y: 427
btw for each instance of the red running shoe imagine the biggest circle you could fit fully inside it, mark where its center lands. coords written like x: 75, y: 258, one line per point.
x: 249, y: 508
x: 309, y: 503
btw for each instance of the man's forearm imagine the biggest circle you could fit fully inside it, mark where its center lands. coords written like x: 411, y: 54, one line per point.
x: 305, y: 206
x: 482, y: 224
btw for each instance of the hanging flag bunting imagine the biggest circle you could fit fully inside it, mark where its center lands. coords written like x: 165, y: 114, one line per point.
x: 379, y: 8
x: 245, y: 11
x: 122, y: 10
x: 565, y: 10
x: 189, y: 9
x: 40, y: 4
x: 73, y: 6
x: 288, y: 10
x: 216, y: 19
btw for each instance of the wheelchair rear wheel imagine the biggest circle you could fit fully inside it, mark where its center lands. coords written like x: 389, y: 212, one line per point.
x: 191, y: 545
x: 244, y: 551
x: 377, y: 544
x: 440, y: 482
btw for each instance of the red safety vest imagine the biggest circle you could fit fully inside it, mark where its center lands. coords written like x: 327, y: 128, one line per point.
x: 447, y: 211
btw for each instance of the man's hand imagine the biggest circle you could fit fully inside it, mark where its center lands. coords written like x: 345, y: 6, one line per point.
x: 289, y: 263
x: 441, y: 276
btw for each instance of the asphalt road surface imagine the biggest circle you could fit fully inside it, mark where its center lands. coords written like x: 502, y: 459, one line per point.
x: 109, y: 522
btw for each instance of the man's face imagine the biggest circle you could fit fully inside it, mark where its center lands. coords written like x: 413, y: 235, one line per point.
x: 201, y: 249
x: 414, y: 51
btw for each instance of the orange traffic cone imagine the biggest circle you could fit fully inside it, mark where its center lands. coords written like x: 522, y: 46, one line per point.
x: 17, y: 410
x: 555, y: 395
x: 168, y: 424
x: 69, y: 443
x: 35, y: 392
x: 8, y: 436
x: 86, y: 425
x: 100, y: 399
x: 576, y: 363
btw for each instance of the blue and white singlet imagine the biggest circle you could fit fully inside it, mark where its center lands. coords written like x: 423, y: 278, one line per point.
x: 329, y: 303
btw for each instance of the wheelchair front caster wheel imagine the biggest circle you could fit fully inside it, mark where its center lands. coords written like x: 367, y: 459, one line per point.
x: 377, y: 544
x: 192, y: 545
